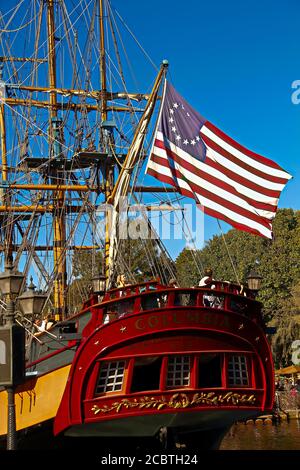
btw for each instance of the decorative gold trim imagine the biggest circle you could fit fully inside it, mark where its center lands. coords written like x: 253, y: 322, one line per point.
x: 178, y: 400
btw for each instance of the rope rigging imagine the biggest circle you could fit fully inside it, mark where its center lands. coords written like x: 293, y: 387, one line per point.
x: 75, y: 154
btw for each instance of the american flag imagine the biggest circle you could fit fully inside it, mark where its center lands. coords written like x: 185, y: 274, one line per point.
x: 231, y: 182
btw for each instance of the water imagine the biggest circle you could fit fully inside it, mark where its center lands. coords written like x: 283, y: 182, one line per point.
x: 284, y: 436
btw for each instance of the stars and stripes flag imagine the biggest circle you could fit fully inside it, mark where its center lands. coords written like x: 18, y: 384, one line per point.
x: 230, y: 182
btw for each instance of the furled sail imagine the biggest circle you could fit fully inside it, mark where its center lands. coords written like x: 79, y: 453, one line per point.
x: 123, y: 181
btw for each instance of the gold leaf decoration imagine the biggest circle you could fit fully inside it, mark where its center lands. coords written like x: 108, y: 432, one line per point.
x: 178, y: 400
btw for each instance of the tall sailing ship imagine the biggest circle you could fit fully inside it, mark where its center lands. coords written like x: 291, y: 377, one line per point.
x: 141, y: 360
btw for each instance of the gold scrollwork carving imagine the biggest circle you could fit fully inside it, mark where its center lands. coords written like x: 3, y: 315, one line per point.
x: 178, y: 400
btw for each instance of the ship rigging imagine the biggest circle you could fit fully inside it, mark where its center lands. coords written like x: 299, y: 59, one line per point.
x: 119, y: 362
x: 71, y: 145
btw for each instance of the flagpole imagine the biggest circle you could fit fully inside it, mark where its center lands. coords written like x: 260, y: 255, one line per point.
x: 158, y: 119
x: 122, y: 184
x: 148, y: 108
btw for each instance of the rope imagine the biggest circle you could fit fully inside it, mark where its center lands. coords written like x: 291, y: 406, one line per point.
x: 229, y: 256
x: 125, y: 168
x: 14, y: 14
x: 138, y: 43
x: 18, y: 29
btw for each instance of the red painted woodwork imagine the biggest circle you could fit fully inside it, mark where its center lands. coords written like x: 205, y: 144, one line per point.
x: 169, y: 328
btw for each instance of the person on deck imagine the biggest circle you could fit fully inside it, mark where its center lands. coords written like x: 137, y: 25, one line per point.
x: 173, y: 283
x: 125, y: 307
x: 207, y: 279
x: 208, y: 299
x: 40, y: 325
x: 122, y: 281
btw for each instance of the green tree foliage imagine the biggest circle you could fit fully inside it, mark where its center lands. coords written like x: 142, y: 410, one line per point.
x: 245, y: 250
x: 86, y: 263
x: 278, y: 262
x: 138, y: 259
x: 288, y: 329
x: 188, y: 268
x: 296, y: 297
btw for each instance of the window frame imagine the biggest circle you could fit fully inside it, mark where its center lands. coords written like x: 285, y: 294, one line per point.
x: 124, y: 382
x: 248, y: 370
x: 194, y: 372
x: 192, y: 360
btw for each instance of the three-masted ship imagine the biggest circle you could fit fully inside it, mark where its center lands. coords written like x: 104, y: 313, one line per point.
x: 118, y: 362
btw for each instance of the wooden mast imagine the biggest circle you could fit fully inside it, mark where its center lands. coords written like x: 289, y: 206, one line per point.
x: 59, y: 229
x: 6, y: 192
x: 106, y: 138
x: 132, y: 158
x: 57, y: 180
x: 3, y: 137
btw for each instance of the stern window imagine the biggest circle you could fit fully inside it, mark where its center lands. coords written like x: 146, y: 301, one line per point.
x: 146, y: 374
x: 210, y: 370
x: 237, y: 371
x: 178, y: 371
x: 111, y: 377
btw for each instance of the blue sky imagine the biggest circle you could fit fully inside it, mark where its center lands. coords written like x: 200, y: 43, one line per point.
x: 235, y: 63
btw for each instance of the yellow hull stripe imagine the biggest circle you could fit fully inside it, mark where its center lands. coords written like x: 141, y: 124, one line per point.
x: 38, y: 401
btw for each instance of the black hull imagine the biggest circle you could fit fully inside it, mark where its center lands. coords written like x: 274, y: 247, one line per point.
x: 206, y: 435
x: 42, y: 439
